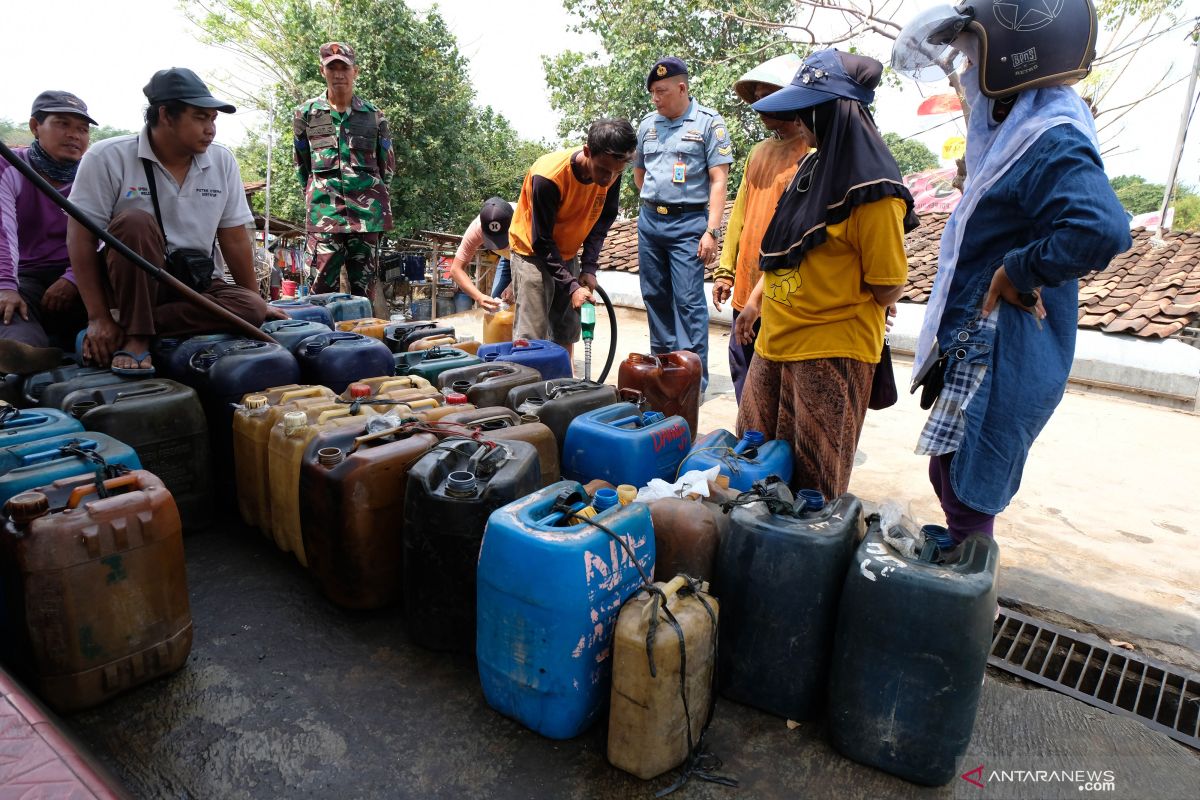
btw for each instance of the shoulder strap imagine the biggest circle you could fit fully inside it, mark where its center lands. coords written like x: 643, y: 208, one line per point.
x: 154, y: 196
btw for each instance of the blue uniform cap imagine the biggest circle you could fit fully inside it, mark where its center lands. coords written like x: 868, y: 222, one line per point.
x: 821, y: 78
x: 665, y: 68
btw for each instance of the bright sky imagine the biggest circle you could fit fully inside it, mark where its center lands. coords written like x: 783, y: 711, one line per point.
x: 92, y: 53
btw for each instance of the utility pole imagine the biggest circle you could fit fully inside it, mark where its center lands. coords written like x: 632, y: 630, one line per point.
x: 1188, y: 107
x: 267, y: 196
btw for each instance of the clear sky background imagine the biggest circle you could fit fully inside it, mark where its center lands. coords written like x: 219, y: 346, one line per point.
x: 92, y: 49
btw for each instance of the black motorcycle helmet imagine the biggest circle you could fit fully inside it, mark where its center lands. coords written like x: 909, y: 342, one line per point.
x: 1024, y: 44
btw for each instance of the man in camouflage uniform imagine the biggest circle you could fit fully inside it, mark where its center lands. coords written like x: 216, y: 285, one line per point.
x: 344, y: 160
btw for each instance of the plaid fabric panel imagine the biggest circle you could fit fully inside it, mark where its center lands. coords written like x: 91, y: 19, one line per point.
x: 943, y: 431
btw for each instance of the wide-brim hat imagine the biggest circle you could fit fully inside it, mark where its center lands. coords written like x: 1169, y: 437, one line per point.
x: 775, y: 74
x: 821, y: 78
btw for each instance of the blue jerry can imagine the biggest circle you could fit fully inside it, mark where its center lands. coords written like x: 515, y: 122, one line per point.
x: 909, y: 657
x: 551, y: 360
x: 18, y: 427
x: 623, y: 445
x: 548, y: 592
x: 340, y: 358
x: 302, y: 309
x: 33, y: 464
x: 292, y: 332
x: 343, y: 306
x: 779, y: 574
x: 744, y: 461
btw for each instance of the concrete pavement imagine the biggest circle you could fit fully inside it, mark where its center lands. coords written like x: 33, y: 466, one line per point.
x: 287, y: 696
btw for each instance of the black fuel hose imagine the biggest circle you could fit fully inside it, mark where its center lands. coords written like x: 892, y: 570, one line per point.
x: 612, y: 328
x: 159, y: 274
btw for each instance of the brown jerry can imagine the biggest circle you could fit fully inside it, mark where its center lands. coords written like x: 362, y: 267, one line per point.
x: 95, y: 588
x: 686, y: 538
x: 352, y: 489
x: 370, y: 326
x: 252, y: 425
x: 489, y: 383
x: 467, y: 345
x: 670, y: 383
x: 503, y: 423
x: 649, y: 725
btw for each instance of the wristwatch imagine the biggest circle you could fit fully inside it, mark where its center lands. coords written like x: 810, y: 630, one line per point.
x: 714, y: 232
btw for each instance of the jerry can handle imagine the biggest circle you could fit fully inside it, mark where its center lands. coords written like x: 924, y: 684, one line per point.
x: 668, y: 594
x: 332, y: 413
x: 24, y: 419
x: 56, y: 453
x: 298, y: 394
x: 80, y: 492
x: 631, y: 396
x: 477, y: 424
x: 155, y: 388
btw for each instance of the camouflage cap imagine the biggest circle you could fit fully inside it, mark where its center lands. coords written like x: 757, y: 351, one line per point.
x: 336, y: 51
x: 54, y: 102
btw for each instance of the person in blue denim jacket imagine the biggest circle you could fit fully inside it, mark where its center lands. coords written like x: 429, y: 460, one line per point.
x: 1037, y: 213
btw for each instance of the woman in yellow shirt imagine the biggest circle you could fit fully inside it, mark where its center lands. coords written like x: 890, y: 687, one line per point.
x: 833, y: 261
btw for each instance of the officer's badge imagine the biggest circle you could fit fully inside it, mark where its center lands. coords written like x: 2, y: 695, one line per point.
x: 662, y: 70
x: 720, y: 131
x: 726, y: 150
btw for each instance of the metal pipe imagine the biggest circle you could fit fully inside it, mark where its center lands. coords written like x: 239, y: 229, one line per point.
x: 159, y: 274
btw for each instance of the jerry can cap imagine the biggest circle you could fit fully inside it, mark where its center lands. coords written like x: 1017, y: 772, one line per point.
x: 455, y: 399
x: 255, y: 401
x: 359, y: 390
x: 26, y: 507
x: 294, y: 421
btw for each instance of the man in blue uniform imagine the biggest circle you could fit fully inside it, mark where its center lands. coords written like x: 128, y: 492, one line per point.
x: 681, y: 166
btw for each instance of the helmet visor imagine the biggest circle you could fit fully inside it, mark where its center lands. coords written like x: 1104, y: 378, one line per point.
x: 922, y: 50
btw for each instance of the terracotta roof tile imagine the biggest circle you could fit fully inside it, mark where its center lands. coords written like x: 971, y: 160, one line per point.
x: 1146, y: 291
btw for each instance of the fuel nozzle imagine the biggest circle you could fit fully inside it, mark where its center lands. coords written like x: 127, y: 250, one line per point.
x: 587, y: 321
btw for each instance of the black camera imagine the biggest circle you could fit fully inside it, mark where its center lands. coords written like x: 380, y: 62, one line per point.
x: 193, y: 268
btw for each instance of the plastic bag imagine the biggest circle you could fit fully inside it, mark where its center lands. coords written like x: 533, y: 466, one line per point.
x: 692, y: 482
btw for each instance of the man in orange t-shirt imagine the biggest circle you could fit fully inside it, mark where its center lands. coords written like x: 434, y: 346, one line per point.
x: 769, y: 168
x: 569, y: 200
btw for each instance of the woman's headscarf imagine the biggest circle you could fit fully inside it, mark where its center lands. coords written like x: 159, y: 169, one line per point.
x: 851, y: 165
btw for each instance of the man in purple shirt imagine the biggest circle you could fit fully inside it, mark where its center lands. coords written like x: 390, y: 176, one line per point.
x: 38, y: 298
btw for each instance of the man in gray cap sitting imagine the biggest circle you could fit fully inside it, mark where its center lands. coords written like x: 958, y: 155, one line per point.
x: 172, y: 196
x: 38, y: 298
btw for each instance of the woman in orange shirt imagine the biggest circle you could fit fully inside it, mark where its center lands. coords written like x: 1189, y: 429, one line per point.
x: 833, y: 261
x: 769, y: 168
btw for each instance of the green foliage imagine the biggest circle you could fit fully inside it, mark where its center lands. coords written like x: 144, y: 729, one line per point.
x: 1111, y: 12
x: 15, y: 134
x: 1140, y: 197
x: 911, y: 156
x: 410, y: 67
x: 102, y: 132
x: 717, y: 48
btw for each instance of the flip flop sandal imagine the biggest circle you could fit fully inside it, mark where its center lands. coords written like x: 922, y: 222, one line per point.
x: 133, y: 372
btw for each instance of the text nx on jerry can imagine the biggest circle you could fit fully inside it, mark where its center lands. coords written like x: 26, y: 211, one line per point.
x: 544, y: 644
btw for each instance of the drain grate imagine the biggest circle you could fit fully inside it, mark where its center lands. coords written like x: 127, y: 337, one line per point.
x: 1159, y: 695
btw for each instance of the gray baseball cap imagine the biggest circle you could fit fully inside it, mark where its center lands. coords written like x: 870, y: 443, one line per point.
x: 55, y: 102
x: 180, y: 83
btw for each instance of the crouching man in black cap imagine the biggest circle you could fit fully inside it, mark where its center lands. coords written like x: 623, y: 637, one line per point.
x: 172, y: 196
